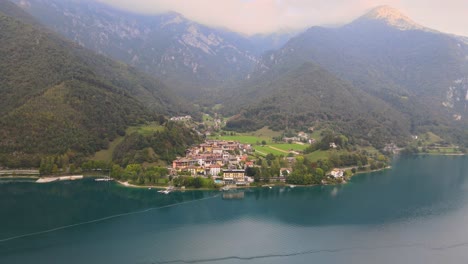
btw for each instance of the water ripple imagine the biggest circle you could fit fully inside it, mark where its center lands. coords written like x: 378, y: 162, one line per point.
x: 102, y: 219
x: 312, y: 251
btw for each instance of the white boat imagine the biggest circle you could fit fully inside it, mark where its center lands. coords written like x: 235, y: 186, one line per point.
x: 167, y: 190
x: 103, y: 179
x: 292, y: 186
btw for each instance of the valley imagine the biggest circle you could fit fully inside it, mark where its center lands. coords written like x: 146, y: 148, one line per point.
x: 159, y: 85
x: 240, y: 131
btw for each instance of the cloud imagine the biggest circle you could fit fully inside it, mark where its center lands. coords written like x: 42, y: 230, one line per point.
x: 267, y: 16
x: 447, y: 16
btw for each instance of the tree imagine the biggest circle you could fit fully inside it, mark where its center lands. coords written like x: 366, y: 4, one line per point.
x: 275, y: 168
x: 55, y: 169
x: 197, y: 182
x: 133, y: 170
x: 269, y: 157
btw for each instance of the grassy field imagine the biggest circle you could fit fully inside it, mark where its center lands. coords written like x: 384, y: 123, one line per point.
x: 428, y: 143
x: 369, y: 149
x: 106, y: 154
x: 242, y: 139
x: 316, y: 135
x: 145, y: 130
x: 252, y: 137
x: 430, y: 138
x: 265, y: 150
x: 288, y: 147
x: 318, y: 155
x: 265, y: 132
x: 275, y: 149
x: 441, y: 150
x: 207, y: 118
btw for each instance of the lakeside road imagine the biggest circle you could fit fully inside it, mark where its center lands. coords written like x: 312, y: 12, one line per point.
x: 19, y: 172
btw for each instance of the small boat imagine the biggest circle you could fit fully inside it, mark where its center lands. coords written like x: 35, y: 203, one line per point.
x: 292, y: 186
x: 225, y: 188
x: 103, y: 179
x: 167, y: 190
x: 270, y: 187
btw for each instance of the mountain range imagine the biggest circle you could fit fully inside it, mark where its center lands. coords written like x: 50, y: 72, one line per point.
x: 416, y: 71
x: 378, y: 79
x: 188, y: 56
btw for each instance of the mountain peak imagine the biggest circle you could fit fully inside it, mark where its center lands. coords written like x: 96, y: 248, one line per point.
x: 392, y: 17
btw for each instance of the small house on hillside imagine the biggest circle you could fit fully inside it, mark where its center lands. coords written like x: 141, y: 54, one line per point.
x: 285, y: 171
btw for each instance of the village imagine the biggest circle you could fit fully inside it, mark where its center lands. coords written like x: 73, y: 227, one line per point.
x: 226, y: 162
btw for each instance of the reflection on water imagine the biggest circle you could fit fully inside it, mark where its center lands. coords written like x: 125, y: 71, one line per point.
x: 397, y: 212
x: 233, y: 195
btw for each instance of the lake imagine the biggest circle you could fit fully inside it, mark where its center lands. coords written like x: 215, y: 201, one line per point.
x: 415, y: 213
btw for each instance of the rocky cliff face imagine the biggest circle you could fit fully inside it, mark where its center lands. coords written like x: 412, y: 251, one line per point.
x: 182, y: 53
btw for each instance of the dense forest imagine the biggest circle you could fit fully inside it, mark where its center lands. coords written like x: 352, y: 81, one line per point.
x: 305, y: 96
x: 59, y: 98
x: 165, y: 145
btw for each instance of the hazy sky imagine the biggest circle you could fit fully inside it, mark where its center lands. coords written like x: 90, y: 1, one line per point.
x: 266, y: 16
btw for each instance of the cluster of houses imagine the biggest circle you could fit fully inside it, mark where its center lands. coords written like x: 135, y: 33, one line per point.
x: 391, y: 148
x: 181, y: 118
x: 226, y: 162
x: 222, y: 160
x: 300, y: 137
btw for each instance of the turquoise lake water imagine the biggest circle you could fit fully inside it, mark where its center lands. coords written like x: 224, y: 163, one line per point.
x: 415, y: 213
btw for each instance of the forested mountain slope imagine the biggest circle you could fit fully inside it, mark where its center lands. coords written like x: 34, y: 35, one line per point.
x: 59, y: 97
x: 418, y: 72
x: 190, y: 57
x: 308, y: 95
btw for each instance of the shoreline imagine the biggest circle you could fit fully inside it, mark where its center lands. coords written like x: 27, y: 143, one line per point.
x: 442, y: 154
x: 127, y: 184
x: 60, y: 178
x: 50, y: 179
x: 370, y: 171
x: 265, y: 185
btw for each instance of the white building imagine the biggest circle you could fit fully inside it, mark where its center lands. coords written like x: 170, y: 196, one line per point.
x: 337, y: 173
x: 215, y: 170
